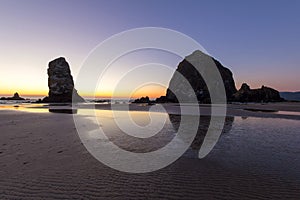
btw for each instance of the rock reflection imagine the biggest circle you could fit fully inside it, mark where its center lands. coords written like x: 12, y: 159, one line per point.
x: 135, y: 144
x: 203, y: 128
x: 63, y: 111
x: 159, y: 140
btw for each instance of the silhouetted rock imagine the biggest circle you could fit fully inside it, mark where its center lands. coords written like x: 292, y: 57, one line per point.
x: 39, y: 101
x: 101, y: 100
x: 144, y: 100
x: 16, y: 97
x: 60, y: 83
x: 161, y: 99
x: 263, y: 94
x: 197, y: 82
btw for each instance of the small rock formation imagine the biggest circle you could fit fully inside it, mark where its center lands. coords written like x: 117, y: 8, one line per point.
x: 15, y: 97
x: 142, y: 100
x: 186, y: 69
x: 263, y: 94
x: 161, y: 99
x: 60, y: 83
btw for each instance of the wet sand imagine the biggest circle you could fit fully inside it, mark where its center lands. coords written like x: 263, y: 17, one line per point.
x: 42, y: 157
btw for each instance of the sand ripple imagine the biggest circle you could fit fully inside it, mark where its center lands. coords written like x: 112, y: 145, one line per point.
x: 43, y: 158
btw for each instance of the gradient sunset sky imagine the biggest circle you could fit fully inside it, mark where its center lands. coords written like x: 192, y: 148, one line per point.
x: 257, y: 40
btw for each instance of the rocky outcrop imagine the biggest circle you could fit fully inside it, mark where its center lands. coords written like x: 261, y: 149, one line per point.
x: 263, y: 94
x: 60, y: 83
x: 16, y: 97
x: 197, y: 82
x: 161, y: 99
x: 186, y: 74
x: 144, y: 100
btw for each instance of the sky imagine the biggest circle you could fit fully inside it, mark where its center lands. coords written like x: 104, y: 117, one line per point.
x: 257, y: 40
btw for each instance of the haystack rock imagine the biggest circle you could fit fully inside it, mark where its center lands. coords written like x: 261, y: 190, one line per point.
x: 263, y: 94
x: 198, y: 84
x: 60, y: 83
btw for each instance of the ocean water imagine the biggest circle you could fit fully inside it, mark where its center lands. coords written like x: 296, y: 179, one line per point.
x: 88, y: 100
x: 13, y: 102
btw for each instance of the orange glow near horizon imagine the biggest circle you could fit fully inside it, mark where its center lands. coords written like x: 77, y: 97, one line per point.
x: 152, y: 91
x: 23, y: 93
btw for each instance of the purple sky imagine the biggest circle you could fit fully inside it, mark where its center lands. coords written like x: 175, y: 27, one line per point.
x: 257, y: 40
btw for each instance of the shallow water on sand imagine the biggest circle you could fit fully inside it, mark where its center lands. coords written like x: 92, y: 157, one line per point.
x: 252, y: 149
x: 255, y: 158
x: 262, y: 144
x: 288, y: 113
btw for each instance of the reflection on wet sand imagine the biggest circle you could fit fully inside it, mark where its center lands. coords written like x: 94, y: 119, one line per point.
x: 202, y: 129
x: 257, y: 159
x: 135, y: 144
x: 63, y: 111
x: 159, y: 140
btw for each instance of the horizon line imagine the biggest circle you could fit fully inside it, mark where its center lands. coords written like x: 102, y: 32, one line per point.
x: 84, y: 96
x: 101, y: 96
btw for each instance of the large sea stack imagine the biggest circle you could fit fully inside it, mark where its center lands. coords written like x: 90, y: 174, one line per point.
x: 60, y: 83
x: 199, y: 86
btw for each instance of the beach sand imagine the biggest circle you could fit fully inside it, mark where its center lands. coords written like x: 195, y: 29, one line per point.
x: 42, y: 157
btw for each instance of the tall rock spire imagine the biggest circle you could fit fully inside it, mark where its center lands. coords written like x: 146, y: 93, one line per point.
x: 60, y: 83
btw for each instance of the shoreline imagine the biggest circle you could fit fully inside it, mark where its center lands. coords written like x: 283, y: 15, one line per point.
x: 286, y: 110
x: 43, y: 158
